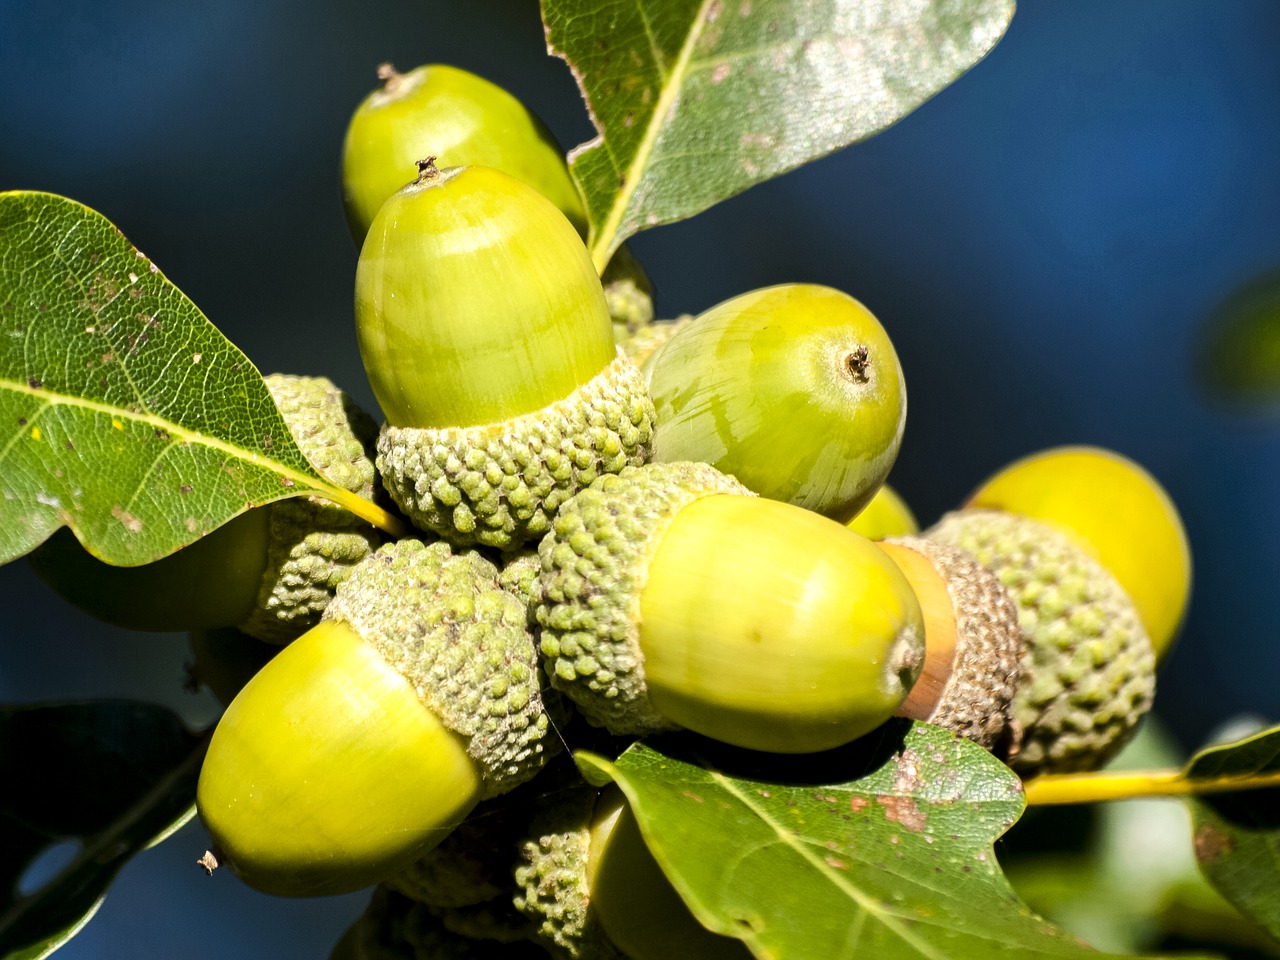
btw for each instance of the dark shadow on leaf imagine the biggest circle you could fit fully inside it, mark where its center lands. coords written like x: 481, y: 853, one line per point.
x: 1257, y: 810
x: 841, y: 765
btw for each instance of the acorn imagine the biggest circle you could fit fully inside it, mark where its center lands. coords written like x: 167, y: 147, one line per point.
x: 484, y: 332
x: 1117, y: 513
x: 673, y: 597
x: 269, y: 572
x: 1088, y: 666
x: 973, y: 643
x: 465, y: 120
x: 795, y: 390
x: 640, y: 341
x: 588, y: 880
x: 458, y: 116
x: 887, y: 515
x: 369, y: 738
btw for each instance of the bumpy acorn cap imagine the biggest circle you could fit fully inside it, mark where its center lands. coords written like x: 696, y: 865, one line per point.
x: 795, y: 390
x: 394, y: 927
x: 1088, y: 669
x: 594, y: 566
x: 553, y: 886
x: 486, y: 337
x: 670, y: 595
x: 371, y: 736
x: 642, y: 341
x: 442, y: 621
x: 313, y: 544
x: 973, y: 641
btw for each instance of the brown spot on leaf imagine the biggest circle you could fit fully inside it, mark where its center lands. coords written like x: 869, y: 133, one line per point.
x: 691, y: 795
x: 131, y: 523
x: 1211, y: 843
x: 858, y: 804
x: 185, y: 488
x: 906, y: 774
x: 721, y: 73
x: 835, y: 863
x: 903, y: 810
x: 34, y: 383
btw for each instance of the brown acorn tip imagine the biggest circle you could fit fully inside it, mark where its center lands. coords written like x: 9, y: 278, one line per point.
x: 973, y: 640
x: 427, y: 169
x: 388, y: 75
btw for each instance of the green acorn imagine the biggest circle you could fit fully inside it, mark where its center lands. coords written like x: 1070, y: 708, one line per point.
x: 671, y: 596
x: 455, y: 115
x: 269, y: 572
x: 1088, y: 666
x: 485, y: 335
x: 464, y: 120
x: 369, y: 738
x: 795, y: 390
x: 587, y: 879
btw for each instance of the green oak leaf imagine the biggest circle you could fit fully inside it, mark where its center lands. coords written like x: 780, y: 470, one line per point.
x: 696, y: 100
x: 885, y: 851
x: 124, y: 413
x: 1237, y: 834
x: 116, y: 776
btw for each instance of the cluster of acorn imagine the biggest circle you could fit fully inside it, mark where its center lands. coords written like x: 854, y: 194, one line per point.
x: 639, y: 526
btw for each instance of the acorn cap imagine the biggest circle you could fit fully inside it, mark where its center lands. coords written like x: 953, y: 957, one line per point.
x: 969, y: 678
x: 628, y: 292
x: 499, y: 485
x: 641, y: 342
x: 1088, y: 670
x: 521, y: 575
x: 670, y: 595
x: 313, y: 544
x: 1117, y: 512
x: 795, y: 390
x: 459, y: 117
x: 553, y: 887
x: 306, y: 790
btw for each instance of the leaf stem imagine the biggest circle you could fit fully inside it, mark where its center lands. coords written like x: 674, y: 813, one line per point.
x: 384, y: 520
x: 1058, y: 789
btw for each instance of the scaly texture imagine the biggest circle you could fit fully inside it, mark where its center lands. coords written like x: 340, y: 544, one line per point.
x: 393, y: 927
x: 1088, y: 668
x: 551, y: 877
x: 520, y: 574
x: 500, y: 484
x: 641, y: 341
x: 313, y: 544
x: 445, y: 624
x: 595, y: 563
x: 976, y: 700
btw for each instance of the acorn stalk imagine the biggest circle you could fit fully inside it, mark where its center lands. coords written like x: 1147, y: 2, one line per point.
x: 371, y: 736
x: 795, y: 390
x: 486, y: 338
x: 671, y: 597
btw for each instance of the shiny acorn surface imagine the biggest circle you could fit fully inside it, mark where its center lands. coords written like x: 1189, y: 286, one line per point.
x: 796, y: 390
x: 458, y: 117
x: 476, y: 302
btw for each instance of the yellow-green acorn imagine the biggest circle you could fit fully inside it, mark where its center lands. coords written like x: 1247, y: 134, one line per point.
x: 270, y: 571
x: 485, y: 335
x: 464, y: 120
x: 795, y: 390
x: 671, y: 596
x: 887, y: 515
x: 1088, y: 665
x: 588, y: 880
x: 369, y: 738
x: 443, y: 111
x: 973, y: 643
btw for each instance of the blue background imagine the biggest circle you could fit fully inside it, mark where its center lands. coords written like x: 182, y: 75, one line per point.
x: 1045, y: 242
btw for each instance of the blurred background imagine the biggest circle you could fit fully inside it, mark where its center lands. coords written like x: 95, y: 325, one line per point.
x: 1057, y: 245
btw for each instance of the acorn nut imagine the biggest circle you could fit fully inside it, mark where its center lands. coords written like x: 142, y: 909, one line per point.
x: 366, y: 740
x: 269, y: 572
x: 671, y: 596
x: 795, y: 390
x: 484, y: 332
x: 887, y: 515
